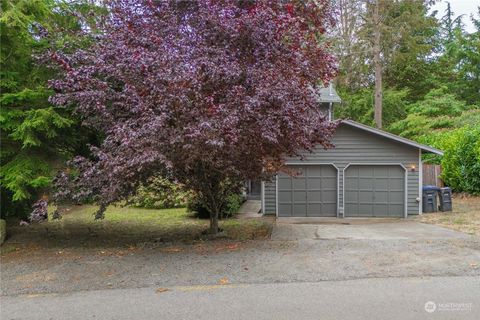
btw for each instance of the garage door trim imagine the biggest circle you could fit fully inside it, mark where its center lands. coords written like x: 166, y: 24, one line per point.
x: 299, y: 163
x: 405, y: 213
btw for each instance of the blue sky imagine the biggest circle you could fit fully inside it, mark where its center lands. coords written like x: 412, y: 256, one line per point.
x: 466, y: 7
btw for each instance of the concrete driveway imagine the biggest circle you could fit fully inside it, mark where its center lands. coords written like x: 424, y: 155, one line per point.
x: 336, y: 250
x: 361, y: 229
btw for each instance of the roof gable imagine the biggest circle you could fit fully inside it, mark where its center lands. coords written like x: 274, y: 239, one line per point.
x: 392, y: 137
x: 328, y: 94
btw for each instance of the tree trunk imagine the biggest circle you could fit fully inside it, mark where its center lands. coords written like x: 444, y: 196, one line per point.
x: 213, y: 222
x: 378, y: 66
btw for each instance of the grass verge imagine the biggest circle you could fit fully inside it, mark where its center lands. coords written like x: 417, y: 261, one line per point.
x: 465, y: 216
x: 127, y: 226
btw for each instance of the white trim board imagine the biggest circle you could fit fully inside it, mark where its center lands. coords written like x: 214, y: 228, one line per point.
x: 420, y: 182
x: 262, y: 195
x: 276, y: 195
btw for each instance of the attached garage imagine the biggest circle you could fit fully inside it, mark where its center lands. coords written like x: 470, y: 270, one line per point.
x: 369, y: 173
x: 308, y: 191
x: 375, y: 191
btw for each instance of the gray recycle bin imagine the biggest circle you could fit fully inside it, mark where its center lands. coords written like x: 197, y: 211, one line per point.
x: 445, y: 196
x: 430, y: 198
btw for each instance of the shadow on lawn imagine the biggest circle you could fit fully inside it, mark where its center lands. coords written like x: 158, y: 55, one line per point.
x: 127, y: 227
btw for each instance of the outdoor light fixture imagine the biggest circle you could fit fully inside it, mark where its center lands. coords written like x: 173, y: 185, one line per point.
x: 412, y: 167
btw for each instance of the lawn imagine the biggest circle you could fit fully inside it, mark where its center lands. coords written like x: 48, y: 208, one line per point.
x: 465, y: 216
x: 128, y: 226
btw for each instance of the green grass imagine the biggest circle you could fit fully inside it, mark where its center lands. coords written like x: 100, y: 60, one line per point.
x: 129, y: 216
x: 129, y: 226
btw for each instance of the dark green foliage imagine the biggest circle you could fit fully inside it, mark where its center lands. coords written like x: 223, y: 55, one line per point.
x: 431, y: 88
x: 461, y: 161
x: 358, y: 106
x: 439, y: 110
x: 444, y: 121
x: 37, y: 137
x: 425, y: 56
x: 230, y: 206
x: 409, y: 41
x: 458, y: 64
x: 160, y: 194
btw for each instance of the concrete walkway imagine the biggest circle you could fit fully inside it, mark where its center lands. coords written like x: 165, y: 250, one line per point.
x: 250, y: 209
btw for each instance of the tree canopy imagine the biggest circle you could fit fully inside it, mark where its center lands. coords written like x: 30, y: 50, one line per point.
x: 37, y: 137
x: 430, y: 69
x: 177, y: 88
x: 208, y: 93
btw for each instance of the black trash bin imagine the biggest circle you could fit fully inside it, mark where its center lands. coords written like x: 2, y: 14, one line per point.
x: 445, y: 196
x: 430, y: 198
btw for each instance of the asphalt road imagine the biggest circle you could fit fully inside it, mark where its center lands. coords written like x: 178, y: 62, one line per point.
x: 385, y: 298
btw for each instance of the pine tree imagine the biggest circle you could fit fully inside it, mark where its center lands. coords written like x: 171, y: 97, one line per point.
x: 36, y: 137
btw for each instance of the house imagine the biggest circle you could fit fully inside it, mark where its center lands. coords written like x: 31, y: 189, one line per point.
x: 369, y: 173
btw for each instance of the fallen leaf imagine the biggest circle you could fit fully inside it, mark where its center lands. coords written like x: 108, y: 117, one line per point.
x: 172, y: 250
x: 160, y: 290
x: 108, y: 273
x: 34, y: 295
x: 223, y: 281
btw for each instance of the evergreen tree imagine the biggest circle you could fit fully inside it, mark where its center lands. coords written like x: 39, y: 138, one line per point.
x: 36, y: 136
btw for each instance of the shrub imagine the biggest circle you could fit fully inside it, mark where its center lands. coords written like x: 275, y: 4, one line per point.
x: 230, y: 207
x: 461, y: 160
x: 40, y: 211
x: 160, y: 194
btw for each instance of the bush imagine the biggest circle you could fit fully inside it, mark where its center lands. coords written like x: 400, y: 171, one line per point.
x: 160, y: 194
x: 231, y: 206
x: 461, y: 160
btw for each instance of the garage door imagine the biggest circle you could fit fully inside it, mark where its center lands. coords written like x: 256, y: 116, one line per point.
x: 311, y: 191
x: 374, y: 191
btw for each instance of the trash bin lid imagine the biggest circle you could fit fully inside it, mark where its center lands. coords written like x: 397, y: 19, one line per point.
x: 446, y: 189
x: 431, y: 188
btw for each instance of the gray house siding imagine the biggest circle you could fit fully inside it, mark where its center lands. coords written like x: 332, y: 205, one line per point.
x: 270, y: 197
x: 356, y: 146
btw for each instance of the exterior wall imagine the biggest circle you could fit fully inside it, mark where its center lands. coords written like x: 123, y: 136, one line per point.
x: 353, y: 145
x: 270, y: 197
x: 324, y: 108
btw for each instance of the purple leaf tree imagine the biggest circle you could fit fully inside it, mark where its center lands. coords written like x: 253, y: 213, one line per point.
x: 206, y: 92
